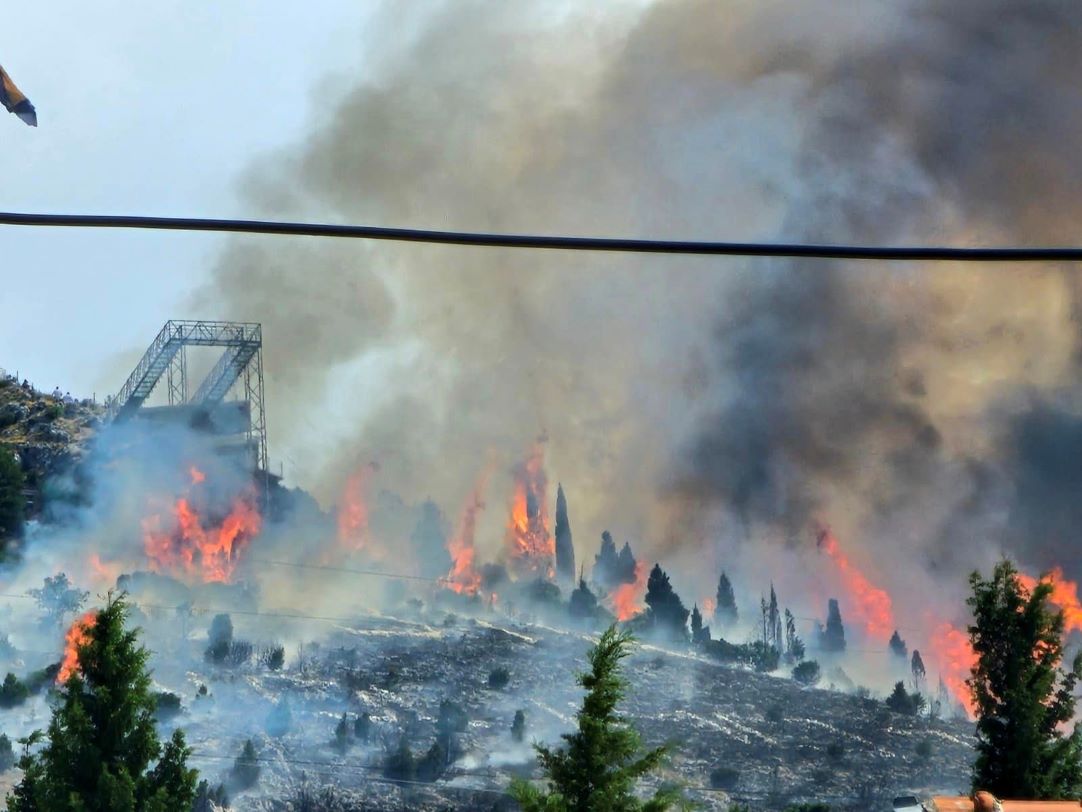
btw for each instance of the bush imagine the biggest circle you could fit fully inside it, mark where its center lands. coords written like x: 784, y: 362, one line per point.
x: 166, y: 705
x: 231, y: 653
x: 903, y: 702
x: 725, y: 778
x: 498, y: 678
x: 924, y: 749
x: 342, y: 735
x: 13, y: 692
x: 221, y: 630
x: 362, y: 727
x: 807, y: 673
x: 400, y: 764
x: 433, y: 763
x: 207, y: 798
x: 245, y: 772
x: 518, y: 726
x: 836, y: 751
x: 774, y: 714
x: 807, y: 808
x: 274, y: 657
x: 7, y: 754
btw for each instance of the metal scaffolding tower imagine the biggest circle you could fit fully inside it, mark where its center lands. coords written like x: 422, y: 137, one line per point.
x: 241, y: 363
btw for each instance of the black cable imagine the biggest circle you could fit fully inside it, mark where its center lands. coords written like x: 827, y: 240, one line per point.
x: 617, y: 244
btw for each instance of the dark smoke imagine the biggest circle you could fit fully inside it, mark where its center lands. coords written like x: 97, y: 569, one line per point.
x: 685, y: 398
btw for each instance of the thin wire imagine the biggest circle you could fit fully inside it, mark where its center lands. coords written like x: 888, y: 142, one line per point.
x: 612, y: 244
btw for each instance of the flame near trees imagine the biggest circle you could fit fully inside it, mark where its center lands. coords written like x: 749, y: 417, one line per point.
x: 78, y: 635
x: 1064, y: 595
x: 464, y: 577
x: 532, y: 549
x: 954, y: 657
x: 353, y: 509
x: 870, y: 604
x: 189, y: 544
x: 627, y: 599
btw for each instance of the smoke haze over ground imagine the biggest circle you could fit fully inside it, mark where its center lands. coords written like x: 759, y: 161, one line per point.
x: 920, y: 410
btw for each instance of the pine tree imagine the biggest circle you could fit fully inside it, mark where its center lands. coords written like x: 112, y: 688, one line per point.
x: 666, y: 610
x: 916, y: 667
x: 603, y: 760
x: 362, y: 727
x: 565, y: 550
x: 696, y: 625
x: 246, y: 770
x: 794, y: 646
x: 102, y: 738
x: 725, y: 610
x: 897, y: 646
x: 832, y: 638
x: 1022, y: 695
x: 518, y: 726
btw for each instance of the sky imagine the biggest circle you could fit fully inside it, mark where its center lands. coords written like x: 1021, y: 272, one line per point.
x: 143, y: 108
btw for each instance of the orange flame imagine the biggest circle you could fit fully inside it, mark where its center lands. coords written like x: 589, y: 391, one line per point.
x: 77, y: 636
x: 187, y: 546
x: 529, y: 543
x: 106, y: 573
x: 627, y: 598
x: 1064, y: 595
x: 196, y: 475
x: 463, y: 577
x: 353, y: 510
x: 953, y: 655
x: 871, y: 605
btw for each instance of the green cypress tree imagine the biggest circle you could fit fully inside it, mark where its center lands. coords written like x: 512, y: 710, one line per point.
x: 1022, y: 696
x: 603, y: 759
x: 102, y: 740
x: 12, y: 502
x: 725, y: 610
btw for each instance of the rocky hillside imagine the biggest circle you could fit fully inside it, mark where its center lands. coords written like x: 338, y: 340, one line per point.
x: 48, y: 432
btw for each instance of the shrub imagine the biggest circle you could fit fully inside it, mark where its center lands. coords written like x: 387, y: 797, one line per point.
x: 229, y: 653
x: 498, y: 678
x: 13, y: 692
x: 807, y: 808
x: 274, y: 657
x: 166, y: 705
x: 221, y: 630
x: 208, y: 798
x: 245, y: 772
x: 774, y: 714
x: 807, y: 673
x: 342, y: 738
x: 901, y: 701
x: 7, y: 754
x: 362, y: 727
x: 433, y: 763
x: 518, y: 726
x: 836, y: 751
x: 724, y: 778
x: 400, y: 764
x: 923, y: 749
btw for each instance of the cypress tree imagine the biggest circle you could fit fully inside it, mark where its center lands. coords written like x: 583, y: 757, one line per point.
x: 1021, y: 693
x: 12, y: 502
x: 725, y: 610
x: 583, y: 603
x: 565, y: 550
x: 603, y: 758
x: 518, y: 726
x: 626, y: 565
x: 607, y: 563
x: 832, y: 638
x: 102, y: 738
x: 666, y: 611
x: 696, y: 624
x: 916, y: 666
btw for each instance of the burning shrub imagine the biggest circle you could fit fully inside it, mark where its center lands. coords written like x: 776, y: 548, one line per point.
x: 13, y: 692
x: 498, y: 678
x: 274, y: 657
x: 166, y: 705
x: 518, y: 726
x: 807, y: 673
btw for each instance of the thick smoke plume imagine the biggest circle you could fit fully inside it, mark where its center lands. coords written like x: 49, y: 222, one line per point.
x: 925, y: 413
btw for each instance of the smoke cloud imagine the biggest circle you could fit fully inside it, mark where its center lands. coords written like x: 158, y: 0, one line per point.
x: 926, y: 412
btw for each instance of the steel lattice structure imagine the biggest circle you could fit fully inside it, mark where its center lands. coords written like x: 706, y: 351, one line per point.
x: 239, y: 366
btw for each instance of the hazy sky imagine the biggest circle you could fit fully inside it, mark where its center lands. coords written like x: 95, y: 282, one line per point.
x: 143, y: 108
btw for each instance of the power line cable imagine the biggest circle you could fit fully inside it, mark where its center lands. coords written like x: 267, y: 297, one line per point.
x: 552, y: 242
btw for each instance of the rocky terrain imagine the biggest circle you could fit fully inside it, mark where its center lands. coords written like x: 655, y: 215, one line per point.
x: 736, y: 735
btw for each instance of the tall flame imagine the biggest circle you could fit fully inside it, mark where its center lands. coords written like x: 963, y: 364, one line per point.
x: 1064, y: 595
x: 353, y: 510
x: 627, y: 599
x: 184, y: 543
x: 953, y: 656
x: 532, y: 549
x: 871, y: 605
x: 78, y: 635
x: 463, y: 577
